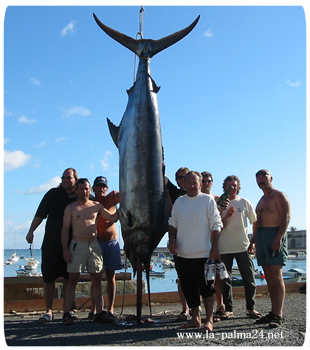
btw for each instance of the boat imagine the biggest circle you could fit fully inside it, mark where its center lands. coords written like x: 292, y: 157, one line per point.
x: 237, y: 282
x: 168, y: 263
x: 32, y: 264
x: 301, y: 256
x: 9, y: 262
x: 292, y: 279
x: 14, y: 257
x: 157, y: 273
x: 22, y: 273
x: 236, y: 273
x: 297, y: 270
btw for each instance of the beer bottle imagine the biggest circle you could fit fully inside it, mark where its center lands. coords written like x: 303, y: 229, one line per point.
x: 223, y: 197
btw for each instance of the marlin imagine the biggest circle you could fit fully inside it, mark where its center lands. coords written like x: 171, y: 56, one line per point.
x: 144, y: 204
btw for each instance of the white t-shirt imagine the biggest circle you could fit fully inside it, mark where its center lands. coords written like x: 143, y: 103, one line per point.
x: 234, y: 236
x: 195, y: 218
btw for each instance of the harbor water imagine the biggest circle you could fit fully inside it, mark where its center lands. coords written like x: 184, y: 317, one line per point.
x: 166, y: 283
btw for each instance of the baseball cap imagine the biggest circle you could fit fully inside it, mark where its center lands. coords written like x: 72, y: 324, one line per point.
x: 100, y: 180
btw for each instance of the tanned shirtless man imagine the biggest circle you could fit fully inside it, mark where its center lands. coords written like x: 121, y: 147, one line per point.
x: 84, y: 249
x: 270, y: 239
x: 108, y: 241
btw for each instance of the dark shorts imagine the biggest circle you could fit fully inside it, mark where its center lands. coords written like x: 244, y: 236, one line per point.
x: 53, y: 265
x: 191, y: 273
x: 111, y: 254
x: 263, y: 240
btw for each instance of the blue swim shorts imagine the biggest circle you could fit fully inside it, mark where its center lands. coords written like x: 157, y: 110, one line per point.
x: 263, y: 240
x: 111, y: 254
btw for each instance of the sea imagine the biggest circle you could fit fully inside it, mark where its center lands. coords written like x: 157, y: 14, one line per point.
x: 167, y: 283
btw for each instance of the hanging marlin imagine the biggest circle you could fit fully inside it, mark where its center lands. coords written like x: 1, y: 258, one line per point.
x: 143, y: 198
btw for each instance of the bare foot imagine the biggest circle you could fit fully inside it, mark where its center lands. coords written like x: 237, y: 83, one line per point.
x: 208, y: 326
x: 190, y: 324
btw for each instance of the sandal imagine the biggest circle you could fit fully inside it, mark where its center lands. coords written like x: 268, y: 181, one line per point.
x: 254, y: 314
x: 183, y: 315
x: 46, y: 318
x: 103, y: 317
x: 67, y: 319
x: 216, y: 317
x: 266, y: 319
x: 111, y: 316
x: 227, y: 315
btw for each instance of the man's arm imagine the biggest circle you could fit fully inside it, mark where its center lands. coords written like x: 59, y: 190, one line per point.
x: 107, y: 215
x: 65, y: 234
x: 214, y: 252
x: 283, y: 207
x: 252, y: 241
x: 34, y: 225
x: 172, y: 240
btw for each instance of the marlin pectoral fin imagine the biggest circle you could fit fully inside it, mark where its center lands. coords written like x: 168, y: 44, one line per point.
x: 114, y: 130
x: 146, y: 47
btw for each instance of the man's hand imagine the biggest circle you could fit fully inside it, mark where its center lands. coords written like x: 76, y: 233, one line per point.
x: 29, y: 237
x: 67, y: 256
x: 173, y: 247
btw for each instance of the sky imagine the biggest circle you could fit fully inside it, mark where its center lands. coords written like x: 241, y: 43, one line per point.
x: 232, y: 98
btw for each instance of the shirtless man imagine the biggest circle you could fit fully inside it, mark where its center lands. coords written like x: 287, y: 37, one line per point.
x: 107, y: 238
x: 84, y: 249
x: 269, y: 236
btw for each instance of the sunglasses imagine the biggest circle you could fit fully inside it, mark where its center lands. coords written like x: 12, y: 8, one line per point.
x: 180, y: 177
x: 208, y: 181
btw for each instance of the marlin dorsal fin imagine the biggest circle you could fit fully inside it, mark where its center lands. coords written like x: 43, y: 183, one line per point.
x: 114, y: 130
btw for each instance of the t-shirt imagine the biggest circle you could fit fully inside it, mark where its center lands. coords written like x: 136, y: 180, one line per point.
x: 234, y: 236
x: 195, y: 218
x: 52, y: 208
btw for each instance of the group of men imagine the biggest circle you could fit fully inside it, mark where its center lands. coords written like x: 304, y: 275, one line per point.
x: 80, y: 232
x: 200, y: 232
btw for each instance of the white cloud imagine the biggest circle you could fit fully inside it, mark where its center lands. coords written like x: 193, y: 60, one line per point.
x: 54, y: 182
x: 82, y: 111
x: 60, y: 139
x: 105, y: 161
x: 25, y: 120
x: 208, y: 33
x: 69, y: 29
x: 15, y: 159
x: 34, y: 81
x: 297, y: 83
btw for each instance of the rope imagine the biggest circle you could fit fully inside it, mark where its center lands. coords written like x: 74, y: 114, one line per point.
x: 140, y: 33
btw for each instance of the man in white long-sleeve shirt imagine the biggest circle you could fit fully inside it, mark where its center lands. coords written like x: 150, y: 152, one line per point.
x: 194, y: 228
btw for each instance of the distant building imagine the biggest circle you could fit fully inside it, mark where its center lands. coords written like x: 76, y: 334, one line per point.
x: 296, y: 239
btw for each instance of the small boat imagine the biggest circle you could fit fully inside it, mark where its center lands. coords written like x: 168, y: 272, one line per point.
x: 32, y: 264
x: 157, y: 273
x: 14, y: 257
x: 296, y: 270
x: 9, y: 262
x: 167, y: 263
x: 22, y: 273
x: 301, y: 256
x: 236, y: 273
x: 292, y: 279
x: 237, y: 282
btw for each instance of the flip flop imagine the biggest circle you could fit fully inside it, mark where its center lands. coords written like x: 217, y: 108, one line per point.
x: 183, y: 315
x: 46, y: 318
x: 254, y: 314
x: 67, y: 319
